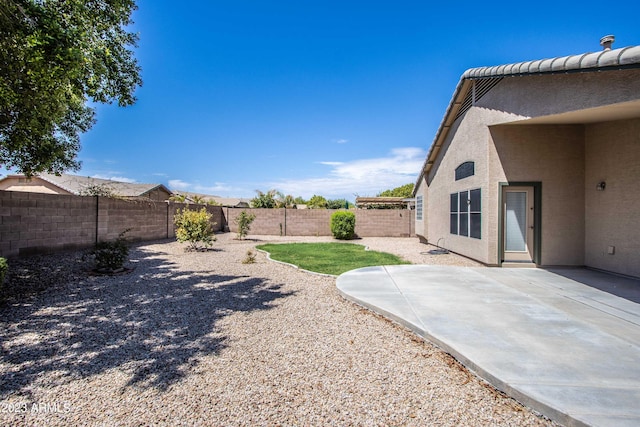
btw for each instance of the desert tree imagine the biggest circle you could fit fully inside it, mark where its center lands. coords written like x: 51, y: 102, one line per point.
x: 56, y: 57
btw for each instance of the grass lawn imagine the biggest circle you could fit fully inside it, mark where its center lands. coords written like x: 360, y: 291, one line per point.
x: 329, y: 258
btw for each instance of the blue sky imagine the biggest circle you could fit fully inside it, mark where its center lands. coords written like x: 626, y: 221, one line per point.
x: 336, y: 98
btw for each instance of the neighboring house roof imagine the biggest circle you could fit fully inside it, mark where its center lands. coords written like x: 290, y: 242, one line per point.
x: 79, y: 185
x: 608, y: 59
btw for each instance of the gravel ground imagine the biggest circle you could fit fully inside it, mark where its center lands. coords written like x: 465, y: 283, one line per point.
x: 203, y: 339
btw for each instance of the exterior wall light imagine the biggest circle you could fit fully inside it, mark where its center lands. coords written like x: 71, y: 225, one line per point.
x: 601, y: 186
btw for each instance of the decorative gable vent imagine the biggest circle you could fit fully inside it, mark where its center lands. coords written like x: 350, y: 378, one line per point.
x: 479, y: 88
x: 465, y: 170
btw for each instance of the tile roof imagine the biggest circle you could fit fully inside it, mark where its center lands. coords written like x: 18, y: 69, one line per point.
x: 76, y: 184
x: 612, y: 58
x: 607, y: 59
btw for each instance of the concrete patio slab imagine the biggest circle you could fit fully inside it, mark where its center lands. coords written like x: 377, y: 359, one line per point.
x: 559, y: 340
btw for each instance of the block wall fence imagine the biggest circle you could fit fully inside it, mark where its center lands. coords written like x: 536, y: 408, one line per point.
x: 33, y: 223
x: 316, y: 222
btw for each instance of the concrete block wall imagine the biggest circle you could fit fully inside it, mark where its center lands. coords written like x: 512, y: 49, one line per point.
x: 35, y: 223
x: 267, y: 222
x: 309, y: 222
x: 146, y: 220
x: 32, y: 222
x: 316, y: 222
x: 385, y: 223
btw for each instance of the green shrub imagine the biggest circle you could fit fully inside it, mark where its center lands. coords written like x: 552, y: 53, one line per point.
x: 111, y: 256
x: 195, y: 228
x: 243, y: 221
x: 343, y: 225
x: 250, y: 258
x: 3, y: 270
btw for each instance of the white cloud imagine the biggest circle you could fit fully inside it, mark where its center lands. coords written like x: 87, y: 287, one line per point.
x: 340, y: 141
x: 113, y: 178
x: 217, y: 189
x: 365, y: 177
x: 176, y: 184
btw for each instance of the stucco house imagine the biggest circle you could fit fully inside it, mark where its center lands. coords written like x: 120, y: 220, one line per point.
x: 82, y: 186
x: 538, y: 163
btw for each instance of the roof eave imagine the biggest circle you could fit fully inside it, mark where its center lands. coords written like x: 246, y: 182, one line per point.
x: 622, y: 58
x: 54, y: 182
x: 157, y: 187
x: 458, y: 97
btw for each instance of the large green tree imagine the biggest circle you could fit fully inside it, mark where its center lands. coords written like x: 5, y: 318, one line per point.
x: 264, y: 200
x: 338, y: 204
x: 317, y: 202
x: 403, y: 191
x: 284, y: 201
x: 55, y: 57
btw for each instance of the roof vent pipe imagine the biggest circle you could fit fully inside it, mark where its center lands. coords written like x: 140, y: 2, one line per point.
x: 607, y: 41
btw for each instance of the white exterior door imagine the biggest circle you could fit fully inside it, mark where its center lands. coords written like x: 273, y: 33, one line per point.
x: 518, y: 227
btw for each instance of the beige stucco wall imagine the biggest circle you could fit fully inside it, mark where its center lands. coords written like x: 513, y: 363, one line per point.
x: 578, y: 224
x: 554, y: 156
x: 550, y: 154
x: 466, y: 142
x: 32, y: 185
x: 613, y: 216
x: 158, y: 195
x: 543, y: 95
x: 421, y: 225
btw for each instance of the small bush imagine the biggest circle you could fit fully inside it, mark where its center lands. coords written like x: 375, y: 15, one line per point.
x: 343, y: 225
x: 243, y: 221
x: 3, y: 270
x: 195, y: 228
x: 250, y: 258
x: 111, y: 256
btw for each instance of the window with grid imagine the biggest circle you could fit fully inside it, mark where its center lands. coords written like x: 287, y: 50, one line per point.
x: 419, y: 208
x: 466, y: 213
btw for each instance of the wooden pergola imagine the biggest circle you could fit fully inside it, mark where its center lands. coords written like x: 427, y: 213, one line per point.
x: 384, y: 203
